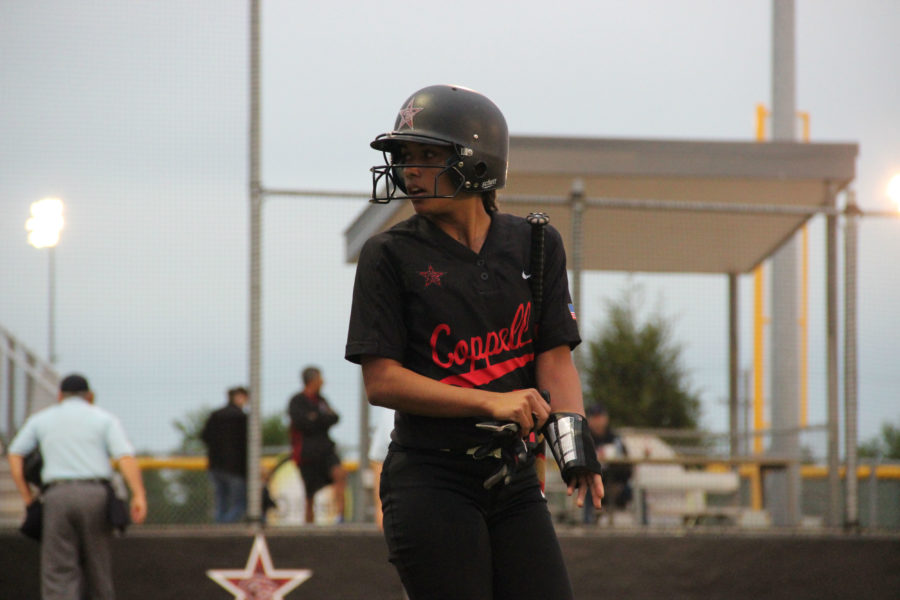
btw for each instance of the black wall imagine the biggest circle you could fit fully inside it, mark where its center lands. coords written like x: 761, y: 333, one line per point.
x: 350, y: 565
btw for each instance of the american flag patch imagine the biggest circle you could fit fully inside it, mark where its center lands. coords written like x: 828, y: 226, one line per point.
x: 572, y: 312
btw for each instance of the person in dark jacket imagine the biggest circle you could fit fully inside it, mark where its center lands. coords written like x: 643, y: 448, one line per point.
x: 313, y: 449
x: 616, y: 476
x: 225, y: 436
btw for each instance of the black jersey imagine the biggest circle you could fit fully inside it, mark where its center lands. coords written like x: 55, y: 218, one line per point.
x: 443, y: 311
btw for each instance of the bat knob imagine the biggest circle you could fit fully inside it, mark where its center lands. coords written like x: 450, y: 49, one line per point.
x: 537, y: 219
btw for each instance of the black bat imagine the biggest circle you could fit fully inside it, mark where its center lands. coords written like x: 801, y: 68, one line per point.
x: 538, y: 222
x: 519, y: 452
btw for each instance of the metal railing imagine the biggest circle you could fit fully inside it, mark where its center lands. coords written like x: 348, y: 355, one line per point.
x: 28, y: 383
x: 698, y: 491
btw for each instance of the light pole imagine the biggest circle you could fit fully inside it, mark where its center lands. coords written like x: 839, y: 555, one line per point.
x: 43, y: 228
x: 851, y: 216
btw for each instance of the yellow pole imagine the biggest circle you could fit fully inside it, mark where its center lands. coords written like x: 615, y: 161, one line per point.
x: 756, y: 495
x: 758, y: 326
x: 758, y: 359
x: 761, y: 115
x: 804, y: 120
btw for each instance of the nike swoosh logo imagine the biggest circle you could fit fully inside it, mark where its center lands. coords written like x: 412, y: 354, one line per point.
x: 524, y: 276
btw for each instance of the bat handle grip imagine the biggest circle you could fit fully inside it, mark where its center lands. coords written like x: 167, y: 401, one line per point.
x: 538, y: 222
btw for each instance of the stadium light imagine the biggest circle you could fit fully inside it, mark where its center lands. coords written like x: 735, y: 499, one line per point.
x: 44, y: 226
x: 893, y: 190
x: 45, y: 223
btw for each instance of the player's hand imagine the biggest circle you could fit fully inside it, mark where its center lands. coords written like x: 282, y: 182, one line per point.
x: 525, y: 407
x: 583, y: 481
x: 138, y: 508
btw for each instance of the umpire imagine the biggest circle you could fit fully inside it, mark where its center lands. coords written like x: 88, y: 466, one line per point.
x: 77, y: 440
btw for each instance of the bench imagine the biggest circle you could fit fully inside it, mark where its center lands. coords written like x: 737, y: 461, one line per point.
x: 667, y: 493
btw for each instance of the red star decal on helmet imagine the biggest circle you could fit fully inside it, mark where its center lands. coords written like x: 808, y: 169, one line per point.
x: 432, y: 276
x: 407, y: 113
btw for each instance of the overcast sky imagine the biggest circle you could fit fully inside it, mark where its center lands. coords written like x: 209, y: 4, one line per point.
x: 135, y: 113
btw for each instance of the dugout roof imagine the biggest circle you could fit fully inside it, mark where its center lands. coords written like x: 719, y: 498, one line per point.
x: 661, y: 205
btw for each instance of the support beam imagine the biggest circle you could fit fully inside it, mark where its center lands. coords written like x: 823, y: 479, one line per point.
x: 51, y: 305
x: 851, y: 497
x: 733, y: 362
x: 831, y: 358
x: 783, y: 71
x: 361, y: 500
x: 254, y: 437
x: 11, y: 425
x: 785, y: 331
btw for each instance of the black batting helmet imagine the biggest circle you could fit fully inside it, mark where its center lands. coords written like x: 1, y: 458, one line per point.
x: 447, y: 115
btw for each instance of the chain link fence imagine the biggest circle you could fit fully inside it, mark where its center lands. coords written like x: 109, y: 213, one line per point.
x: 678, y: 479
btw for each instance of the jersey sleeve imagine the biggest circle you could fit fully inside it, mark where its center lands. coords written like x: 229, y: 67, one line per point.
x: 376, y: 327
x: 117, y: 443
x: 558, y: 325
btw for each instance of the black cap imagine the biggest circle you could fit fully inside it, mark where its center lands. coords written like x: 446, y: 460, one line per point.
x: 74, y: 384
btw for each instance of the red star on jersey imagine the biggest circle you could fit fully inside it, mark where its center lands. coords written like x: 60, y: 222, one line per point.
x: 432, y: 276
x: 406, y: 115
x: 259, y: 580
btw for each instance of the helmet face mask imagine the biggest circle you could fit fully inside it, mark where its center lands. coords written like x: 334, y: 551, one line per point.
x: 462, y: 119
x: 389, y: 177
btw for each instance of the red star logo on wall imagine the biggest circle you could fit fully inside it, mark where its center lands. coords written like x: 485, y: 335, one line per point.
x: 259, y: 580
x: 406, y: 115
x: 431, y: 276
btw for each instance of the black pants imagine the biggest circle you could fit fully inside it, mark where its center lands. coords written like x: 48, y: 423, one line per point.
x: 451, y: 539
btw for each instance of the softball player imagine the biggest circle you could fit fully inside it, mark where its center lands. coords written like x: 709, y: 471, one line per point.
x: 442, y: 324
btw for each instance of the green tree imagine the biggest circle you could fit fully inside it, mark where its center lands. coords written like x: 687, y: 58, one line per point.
x: 274, y: 431
x: 635, y: 370
x: 191, y: 427
x: 887, y: 446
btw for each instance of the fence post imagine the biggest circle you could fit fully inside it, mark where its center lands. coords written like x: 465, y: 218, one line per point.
x: 873, y: 491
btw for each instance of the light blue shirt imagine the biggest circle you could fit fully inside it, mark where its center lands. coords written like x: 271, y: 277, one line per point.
x: 76, y: 439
